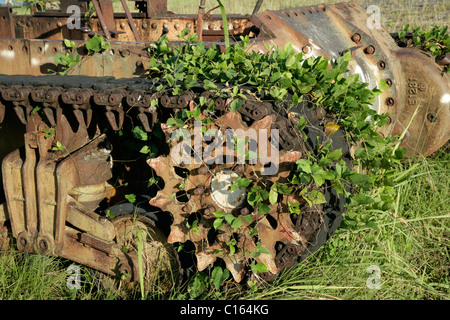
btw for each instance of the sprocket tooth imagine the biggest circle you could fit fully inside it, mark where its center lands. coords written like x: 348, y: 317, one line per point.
x: 264, y: 123
x: 204, y: 260
x: 290, y: 156
x: 268, y: 260
x: 231, y: 120
x: 176, y: 235
x: 236, y: 267
x: 161, y: 200
x: 160, y: 165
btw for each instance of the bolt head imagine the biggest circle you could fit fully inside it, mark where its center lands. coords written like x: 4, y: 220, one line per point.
x: 306, y: 49
x: 199, y: 190
x: 356, y: 37
x: 369, y: 50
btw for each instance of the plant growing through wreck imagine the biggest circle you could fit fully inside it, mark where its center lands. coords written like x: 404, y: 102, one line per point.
x: 68, y: 61
x: 435, y: 40
x: 284, y: 76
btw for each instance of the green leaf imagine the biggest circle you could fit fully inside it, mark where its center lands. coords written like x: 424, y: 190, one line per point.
x: 273, y: 196
x: 229, y: 218
x: 383, y: 85
x: 362, y: 199
x: 219, y: 214
x: 175, y: 122
x: 304, y: 165
x: 218, y: 223
x: 335, y: 155
x: 261, y: 249
x: 359, y: 179
x: 248, y: 218
x: 290, y: 61
x: 209, y: 85
x: 139, y: 133
x: 315, y: 197
x: 261, y: 267
x: 237, y: 223
x: 131, y: 198
x: 286, y: 83
x: 263, y: 208
x: 216, y: 276
x: 145, y: 150
x: 236, y: 104
x: 243, y: 182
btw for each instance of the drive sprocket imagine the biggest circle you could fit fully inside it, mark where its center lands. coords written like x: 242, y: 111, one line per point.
x: 200, y: 186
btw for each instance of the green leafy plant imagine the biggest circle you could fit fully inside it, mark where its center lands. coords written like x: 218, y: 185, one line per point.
x: 69, y: 60
x: 435, y: 40
x: 97, y: 44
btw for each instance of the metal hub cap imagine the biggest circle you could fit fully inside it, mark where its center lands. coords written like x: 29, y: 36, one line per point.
x: 220, y: 190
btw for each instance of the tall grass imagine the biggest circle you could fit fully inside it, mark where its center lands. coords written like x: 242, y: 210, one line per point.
x: 410, y: 246
x: 31, y: 277
x: 394, y: 13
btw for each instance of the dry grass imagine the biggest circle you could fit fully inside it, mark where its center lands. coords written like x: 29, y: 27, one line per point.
x: 421, y: 13
x: 396, y: 13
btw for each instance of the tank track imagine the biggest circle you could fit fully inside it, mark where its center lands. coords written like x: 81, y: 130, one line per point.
x: 87, y: 101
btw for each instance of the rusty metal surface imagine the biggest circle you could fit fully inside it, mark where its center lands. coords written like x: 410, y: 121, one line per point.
x: 89, y: 251
x: 160, y: 264
x: 133, y: 27
x: 376, y: 56
x: 204, y: 191
x: 7, y: 23
x: 52, y: 193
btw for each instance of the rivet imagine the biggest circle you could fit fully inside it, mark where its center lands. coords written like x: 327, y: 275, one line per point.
x: 188, y: 25
x: 199, y: 190
x: 144, y: 25
x: 177, y: 26
x: 390, y: 101
x: 389, y: 82
x: 244, y: 211
x: 43, y: 245
x: 125, y: 52
x: 381, y: 65
x: 356, y: 37
x: 431, y: 117
x: 203, y: 170
x: 306, y: 49
x: 388, y: 120
x: 122, y: 25
x: 369, y: 50
x: 154, y: 26
x: 210, y: 209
